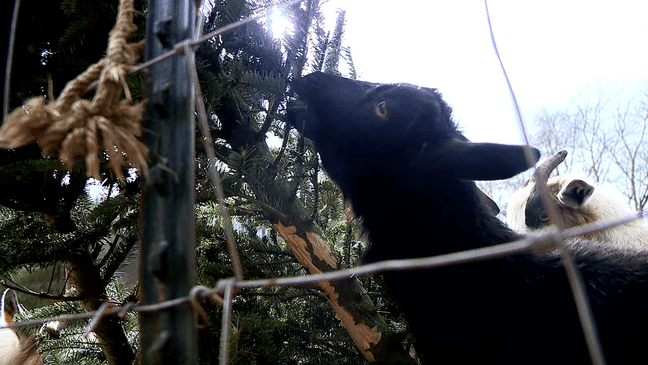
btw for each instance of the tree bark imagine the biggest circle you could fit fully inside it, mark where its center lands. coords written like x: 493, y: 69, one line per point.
x: 86, y: 278
x: 354, y: 309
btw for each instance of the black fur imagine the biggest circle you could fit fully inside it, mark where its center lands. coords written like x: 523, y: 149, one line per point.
x: 396, y: 153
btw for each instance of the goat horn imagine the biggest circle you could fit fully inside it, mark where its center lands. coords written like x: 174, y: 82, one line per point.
x: 542, y: 171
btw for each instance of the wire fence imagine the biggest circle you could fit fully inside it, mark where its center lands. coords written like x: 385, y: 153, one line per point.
x: 223, y: 292
x: 575, y: 279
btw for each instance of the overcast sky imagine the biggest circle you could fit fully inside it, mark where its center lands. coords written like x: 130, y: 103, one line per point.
x: 550, y: 48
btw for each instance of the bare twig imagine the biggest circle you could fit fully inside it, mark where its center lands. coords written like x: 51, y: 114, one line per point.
x: 22, y: 289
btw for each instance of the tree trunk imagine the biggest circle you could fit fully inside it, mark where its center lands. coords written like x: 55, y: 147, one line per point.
x: 85, y: 277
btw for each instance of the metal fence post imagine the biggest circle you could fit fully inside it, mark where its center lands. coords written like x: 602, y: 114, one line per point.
x: 167, y: 263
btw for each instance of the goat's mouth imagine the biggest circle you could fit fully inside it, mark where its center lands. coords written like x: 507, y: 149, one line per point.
x: 299, y: 114
x: 296, y: 108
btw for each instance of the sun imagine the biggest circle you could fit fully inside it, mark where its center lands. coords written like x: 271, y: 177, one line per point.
x: 278, y: 23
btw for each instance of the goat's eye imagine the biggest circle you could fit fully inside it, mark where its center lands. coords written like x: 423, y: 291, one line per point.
x: 544, y: 217
x: 381, y: 110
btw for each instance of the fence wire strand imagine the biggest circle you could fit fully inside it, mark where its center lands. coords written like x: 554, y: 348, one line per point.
x: 546, y: 239
x: 575, y: 280
x: 222, y: 293
x: 211, y: 161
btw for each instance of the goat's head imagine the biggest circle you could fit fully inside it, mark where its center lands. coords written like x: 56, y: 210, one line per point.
x: 570, y: 196
x: 576, y: 202
x: 406, y: 128
x: 15, y: 347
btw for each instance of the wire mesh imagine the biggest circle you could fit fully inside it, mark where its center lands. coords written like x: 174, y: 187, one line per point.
x: 575, y: 279
x: 223, y: 292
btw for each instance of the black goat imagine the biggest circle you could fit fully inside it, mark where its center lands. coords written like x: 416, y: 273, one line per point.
x: 398, y: 156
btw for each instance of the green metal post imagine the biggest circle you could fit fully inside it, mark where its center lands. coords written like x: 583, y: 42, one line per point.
x: 167, y: 263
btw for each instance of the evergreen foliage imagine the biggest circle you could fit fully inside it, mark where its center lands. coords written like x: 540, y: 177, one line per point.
x: 48, y: 218
x: 66, y: 342
x: 332, y: 56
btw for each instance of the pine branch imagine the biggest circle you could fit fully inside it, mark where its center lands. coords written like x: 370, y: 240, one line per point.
x: 266, y: 207
x: 22, y: 289
x: 117, y: 258
x: 284, y: 143
x: 110, y: 251
x: 314, y: 181
x: 353, y: 74
x: 51, y: 281
x: 268, y: 119
x: 332, y: 58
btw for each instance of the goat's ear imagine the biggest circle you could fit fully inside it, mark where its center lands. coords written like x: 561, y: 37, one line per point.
x: 483, y: 161
x: 575, y: 193
x: 493, y: 208
x: 10, y: 305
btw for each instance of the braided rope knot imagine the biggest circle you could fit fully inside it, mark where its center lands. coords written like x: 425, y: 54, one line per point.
x: 72, y: 126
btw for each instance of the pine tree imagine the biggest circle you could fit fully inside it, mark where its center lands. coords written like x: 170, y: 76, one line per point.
x: 280, y: 188
x: 49, y: 219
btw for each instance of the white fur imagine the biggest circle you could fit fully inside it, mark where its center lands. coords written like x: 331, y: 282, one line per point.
x: 598, y: 208
x: 9, y: 345
x: 515, y: 212
x: 9, y: 341
x: 15, y: 349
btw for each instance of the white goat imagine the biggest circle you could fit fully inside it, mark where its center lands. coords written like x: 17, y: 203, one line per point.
x: 577, y: 202
x: 15, y: 347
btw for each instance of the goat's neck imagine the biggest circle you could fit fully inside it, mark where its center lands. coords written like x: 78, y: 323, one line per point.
x: 453, y: 219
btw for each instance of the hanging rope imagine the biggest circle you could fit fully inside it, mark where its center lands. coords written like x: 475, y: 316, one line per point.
x: 71, y: 126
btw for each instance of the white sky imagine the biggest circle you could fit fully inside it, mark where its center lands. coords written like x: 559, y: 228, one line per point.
x: 550, y: 49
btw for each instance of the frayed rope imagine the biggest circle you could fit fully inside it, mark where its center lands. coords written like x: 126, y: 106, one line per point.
x: 72, y: 126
